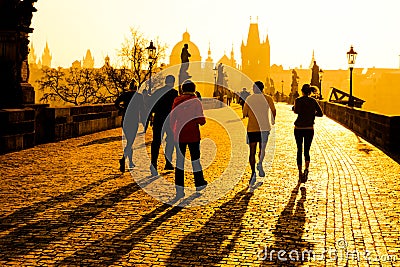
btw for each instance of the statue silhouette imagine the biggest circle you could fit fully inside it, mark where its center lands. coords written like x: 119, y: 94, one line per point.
x: 183, y: 73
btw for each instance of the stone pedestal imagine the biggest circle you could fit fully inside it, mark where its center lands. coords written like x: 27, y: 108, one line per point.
x: 18, y: 129
x: 28, y: 93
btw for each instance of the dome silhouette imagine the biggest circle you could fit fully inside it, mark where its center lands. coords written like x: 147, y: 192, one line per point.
x: 175, y: 57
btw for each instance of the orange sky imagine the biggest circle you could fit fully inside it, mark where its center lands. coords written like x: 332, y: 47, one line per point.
x: 295, y: 28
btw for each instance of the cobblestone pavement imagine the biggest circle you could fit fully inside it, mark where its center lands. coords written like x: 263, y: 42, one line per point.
x: 67, y: 204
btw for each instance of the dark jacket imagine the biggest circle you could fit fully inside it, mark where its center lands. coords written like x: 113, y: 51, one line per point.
x: 186, y: 116
x: 162, y: 101
x: 306, y: 108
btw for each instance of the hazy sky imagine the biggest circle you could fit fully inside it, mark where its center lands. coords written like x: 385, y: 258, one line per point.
x: 295, y: 28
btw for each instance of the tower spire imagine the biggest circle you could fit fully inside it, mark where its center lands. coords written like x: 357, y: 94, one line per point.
x: 312, y: 60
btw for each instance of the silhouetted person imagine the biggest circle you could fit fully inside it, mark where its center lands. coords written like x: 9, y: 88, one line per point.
x: 162, y: 100
x: 146, y: 119
x: 228, y: 97
x: 261, y: 111
x: 130, y: 119
x: 306, y: 108
x: 186, y: 116
x: 243, y: 96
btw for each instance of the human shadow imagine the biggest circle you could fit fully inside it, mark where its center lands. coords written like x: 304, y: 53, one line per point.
x: 288, y: 231
x: 23, y: 215
x: 214, y: 241
x: 107, y: 251
x: 102, y: 141
x: 40, y: 233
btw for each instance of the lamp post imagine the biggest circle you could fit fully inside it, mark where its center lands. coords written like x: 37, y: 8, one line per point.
x: 282, y: 90
x: 351, y: 58
x: 215, y: 70
x: 321, y: 73
x: 151, y: 50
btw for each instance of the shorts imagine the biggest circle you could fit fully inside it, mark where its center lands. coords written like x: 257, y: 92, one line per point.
x: 254, y: 137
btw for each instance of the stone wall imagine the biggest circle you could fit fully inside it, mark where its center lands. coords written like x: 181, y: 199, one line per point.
x: 17, y: 129
x: 380, y: 130
x: 38, y: 124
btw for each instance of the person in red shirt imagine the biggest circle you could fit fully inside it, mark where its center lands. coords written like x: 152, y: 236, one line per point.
x: 185, y: 118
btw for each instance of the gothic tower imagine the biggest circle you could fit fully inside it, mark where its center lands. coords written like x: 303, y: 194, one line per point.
x: 46, y: 57
x: 256, y: 56
x: 32, y: 60
x: 88, y: 60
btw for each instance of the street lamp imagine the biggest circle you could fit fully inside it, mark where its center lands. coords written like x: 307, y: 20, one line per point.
x: 282, y: 87
x: 351, y: 58
x: 215, y: 81
x: 321, y: 73
x: 151, y: 51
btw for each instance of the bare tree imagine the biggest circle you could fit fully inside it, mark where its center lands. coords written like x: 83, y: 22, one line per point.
x: 92, y: 86
x: 74, y: 86
x: 134, y: 55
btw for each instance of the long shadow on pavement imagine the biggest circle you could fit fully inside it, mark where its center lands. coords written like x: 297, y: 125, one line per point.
x: 102, y: 141
x: 288, y: 233
x: 104, y: 252
x: 23, y: 215
x: 41, y: 233
x: 214, y: 241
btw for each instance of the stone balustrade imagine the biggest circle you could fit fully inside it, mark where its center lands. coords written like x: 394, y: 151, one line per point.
x: 380, y: 130
x: 38, y: 124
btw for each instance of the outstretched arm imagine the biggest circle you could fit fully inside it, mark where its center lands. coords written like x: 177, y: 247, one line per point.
x: 318, y: 110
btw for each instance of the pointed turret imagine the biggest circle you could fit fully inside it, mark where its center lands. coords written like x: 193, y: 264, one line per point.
x: 46, y: 57
x: 88, y: 61
x: 312, y: 60
x: 256, y: 55
x: 209, y: 59
x: 32, y: 56
x: 253, y: 37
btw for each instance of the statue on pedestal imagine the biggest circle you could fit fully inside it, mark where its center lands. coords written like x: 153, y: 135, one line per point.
x: 183, y: 72
x: 14, y: 29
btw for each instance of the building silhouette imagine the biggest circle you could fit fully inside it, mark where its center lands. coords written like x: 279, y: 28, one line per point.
x: 226, y: 61
x: 32, y: 59
x: 46, y: 57
x: 256, y: 55
x: 88, y: 60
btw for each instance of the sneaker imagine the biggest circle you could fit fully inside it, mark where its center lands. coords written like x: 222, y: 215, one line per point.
x: 122, y: 164
x: 260, y: 169
x: 131, y: 165
x: 168, y: 166
x: 201, y: 187
x: 305, y: 176
x: 153, y: 170
x: 252, y: 179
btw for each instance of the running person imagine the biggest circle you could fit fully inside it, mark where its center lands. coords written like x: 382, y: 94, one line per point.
x: 307, y: 108
x: 258, y: 107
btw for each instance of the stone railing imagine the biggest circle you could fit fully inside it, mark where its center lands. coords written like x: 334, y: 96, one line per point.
x: 38, y: 124
x: 380, y: 130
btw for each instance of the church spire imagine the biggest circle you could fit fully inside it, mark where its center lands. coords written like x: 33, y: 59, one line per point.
x: 209, y: 59
x: 312, y: 60
x: 46, y: 56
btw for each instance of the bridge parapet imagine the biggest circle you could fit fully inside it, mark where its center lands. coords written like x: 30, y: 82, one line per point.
x: 381, y: 130
x: 38, y: 124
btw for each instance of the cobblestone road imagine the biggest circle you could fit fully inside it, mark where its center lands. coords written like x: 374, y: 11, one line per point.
x: 66, y: 204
